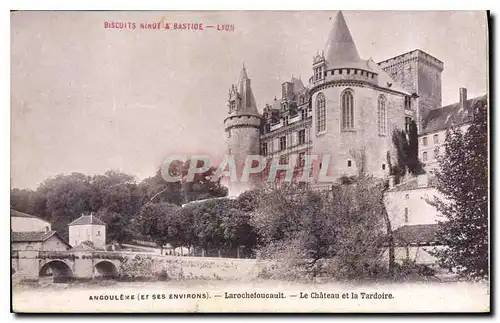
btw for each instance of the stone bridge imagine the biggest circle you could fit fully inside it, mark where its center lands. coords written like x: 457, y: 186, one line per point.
x: 60, y: 265
x: 77, y: 264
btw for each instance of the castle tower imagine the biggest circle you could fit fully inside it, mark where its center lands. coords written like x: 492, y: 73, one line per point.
x: 419, y: 73
x: 242, y: 128
x: 356, y: 105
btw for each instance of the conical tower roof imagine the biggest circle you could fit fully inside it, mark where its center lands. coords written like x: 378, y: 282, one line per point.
x: 340, y: 48
x: 244, y: 86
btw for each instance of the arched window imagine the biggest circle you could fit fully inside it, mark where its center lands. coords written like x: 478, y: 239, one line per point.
x: 320, y: 113
x: 347, y: 101
x: 382, y: 102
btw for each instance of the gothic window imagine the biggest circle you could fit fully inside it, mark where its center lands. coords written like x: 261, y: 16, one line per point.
x: 264, y: 149
x: 282, y: 143
x: 347, y: 101
x: 320, y: 113
x: 382, y: 115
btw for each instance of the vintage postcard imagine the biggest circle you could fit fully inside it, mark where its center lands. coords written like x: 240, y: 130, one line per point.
x: 250, y: 161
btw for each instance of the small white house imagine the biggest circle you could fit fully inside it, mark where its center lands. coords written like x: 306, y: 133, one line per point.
x: 87, y: 228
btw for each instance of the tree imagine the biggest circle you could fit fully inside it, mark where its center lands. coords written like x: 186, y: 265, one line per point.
x: 462, y: 180
x: 406, y: 146
x: 156, y: 190
x: 401, y: 145
x: 21, y: 200
x: 155, y: 221
x: 203, y: 185
x: 115, y: 200
x: 305, y: 230
x: 414, y: 165
x: 66, y: 198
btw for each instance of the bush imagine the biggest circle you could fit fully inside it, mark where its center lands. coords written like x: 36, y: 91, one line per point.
x: 338, y: 234
x: 411, y: 270
x: 162, y: 275
x: 137, y: 266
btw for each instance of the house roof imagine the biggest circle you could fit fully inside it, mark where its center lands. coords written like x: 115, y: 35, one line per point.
x: 87, y: 219
x: 86, y: 245
x: 452, y: 114
x: 17, y: 214
x: 419, y: 234
x: 35, y: 236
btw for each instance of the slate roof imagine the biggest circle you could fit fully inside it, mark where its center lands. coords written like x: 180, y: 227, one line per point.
x: 249, y: 105
x: 419, y: 234
x: 384, y: 79
x: 87, y: 219
x: 340, y: 47
x: 298, y: 86
x: 443, y: 118
x: 14, y: 213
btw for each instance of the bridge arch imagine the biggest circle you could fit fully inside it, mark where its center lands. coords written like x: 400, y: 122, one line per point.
x: 56, y: 269
x: 106, y: 268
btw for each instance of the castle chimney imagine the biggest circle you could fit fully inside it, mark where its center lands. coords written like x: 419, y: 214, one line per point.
x: 463, y: 98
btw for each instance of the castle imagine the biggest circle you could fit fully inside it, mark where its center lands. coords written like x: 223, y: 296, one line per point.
x: 348, y: 110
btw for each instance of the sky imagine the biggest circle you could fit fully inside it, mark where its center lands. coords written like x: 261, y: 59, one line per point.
x: 89, y: 99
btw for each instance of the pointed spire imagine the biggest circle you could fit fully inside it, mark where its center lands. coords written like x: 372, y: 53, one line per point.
x: 244, y: 88
x: 340, y: 47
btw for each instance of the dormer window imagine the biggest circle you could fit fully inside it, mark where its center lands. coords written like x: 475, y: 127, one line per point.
x: 318, y: 73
